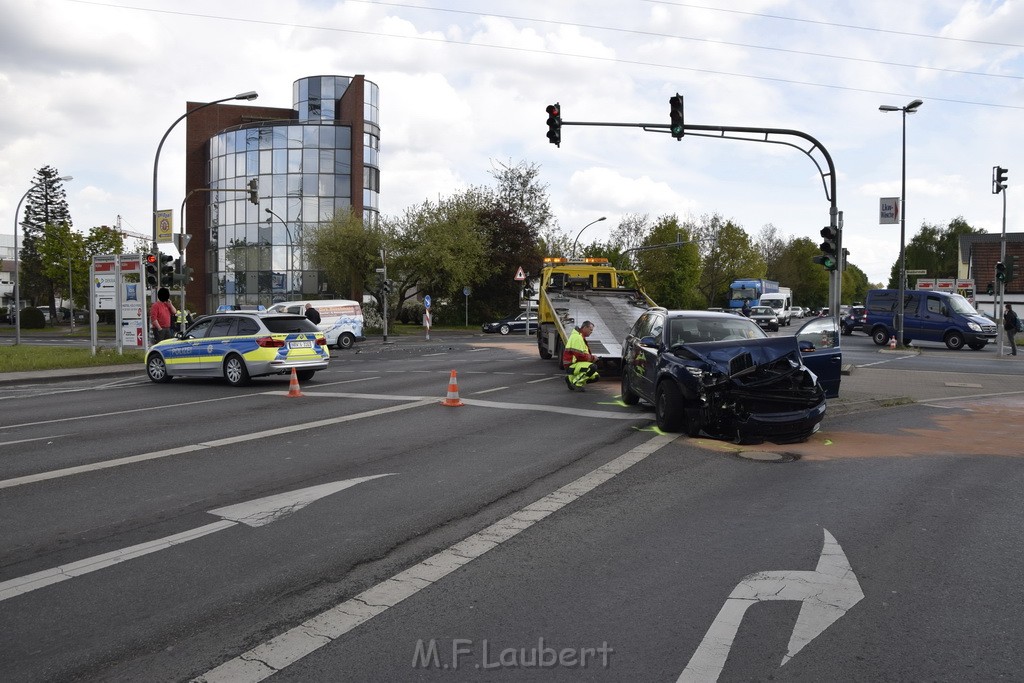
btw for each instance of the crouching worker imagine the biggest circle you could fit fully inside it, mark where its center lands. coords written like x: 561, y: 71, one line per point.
x: 578, y: 360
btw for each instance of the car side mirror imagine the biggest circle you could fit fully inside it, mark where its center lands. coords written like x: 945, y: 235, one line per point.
x: 806, y: 346
x: 649, y: 341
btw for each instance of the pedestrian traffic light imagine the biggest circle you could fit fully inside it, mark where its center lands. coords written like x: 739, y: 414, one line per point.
x: 166, y: 270
x: 998, y: 179
x: 829, y: 259
x: 675, y: 113
x: 254, y: 186
x: 1011, y: 267
x: 1000, y: 271
x: 555, y: 124
x: 151, y: 274
x: 991, y: 289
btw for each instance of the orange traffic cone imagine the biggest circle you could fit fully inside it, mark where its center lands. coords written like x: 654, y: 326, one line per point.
x: 892, y: 342
x: 293, y: 387
x: 453, y: 399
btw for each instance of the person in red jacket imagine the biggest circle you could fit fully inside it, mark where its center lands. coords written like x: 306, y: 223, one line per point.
x: 161, y: 313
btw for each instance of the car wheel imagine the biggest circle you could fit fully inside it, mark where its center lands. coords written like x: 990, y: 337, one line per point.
x: 504, y: 329
x: 629, y: 397
x: 305, y: 375
x: 880, y: 336
x: 156, y: 368
x: 847, y: 331
x: 954, y: 341
x: 345, y: 340
x: 235, y: 371
x: 668, y: 407
x: 977, y: 346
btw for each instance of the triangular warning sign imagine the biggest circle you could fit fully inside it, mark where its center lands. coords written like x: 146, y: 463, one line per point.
x: 520, y: 275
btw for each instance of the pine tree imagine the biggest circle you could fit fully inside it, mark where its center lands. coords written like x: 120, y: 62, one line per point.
x: 46, y: 204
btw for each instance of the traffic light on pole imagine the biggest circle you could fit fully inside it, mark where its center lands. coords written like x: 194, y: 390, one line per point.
x: 1000, y: 271
x: 998, y: 179
x: 254, y: 186
x: 675, y: 113
x: 166, y: 270
x: 991, y: 289
x: 151, y: 274
x: 555, y: 124
x: 829, y: 258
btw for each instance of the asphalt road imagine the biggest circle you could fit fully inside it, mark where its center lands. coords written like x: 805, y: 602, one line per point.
x: 469, y: 543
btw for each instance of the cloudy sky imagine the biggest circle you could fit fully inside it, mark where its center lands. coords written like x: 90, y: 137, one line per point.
x: 90, y: 87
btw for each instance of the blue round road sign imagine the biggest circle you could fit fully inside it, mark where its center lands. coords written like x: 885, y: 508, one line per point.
x: 426, y: 301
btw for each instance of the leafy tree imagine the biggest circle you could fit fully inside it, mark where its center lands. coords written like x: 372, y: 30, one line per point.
x: 347, y: 250
x: 45, y: 204
x: 935, y: 250
x: 772, y: 248
x: 795, y: 270
x: 671, y: 275
x: 727, y: 254
x: 64, y: 262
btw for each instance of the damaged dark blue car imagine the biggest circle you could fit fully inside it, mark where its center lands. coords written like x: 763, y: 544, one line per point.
x: 721, y: 375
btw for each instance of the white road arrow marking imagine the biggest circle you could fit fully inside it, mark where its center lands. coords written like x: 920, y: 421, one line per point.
x: 253, y: 513
x: 827, y: 593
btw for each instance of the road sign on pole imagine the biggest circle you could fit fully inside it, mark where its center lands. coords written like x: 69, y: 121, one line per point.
x: 520, y: 275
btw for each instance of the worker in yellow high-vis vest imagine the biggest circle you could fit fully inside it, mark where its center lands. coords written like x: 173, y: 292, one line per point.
x: 578, y: 360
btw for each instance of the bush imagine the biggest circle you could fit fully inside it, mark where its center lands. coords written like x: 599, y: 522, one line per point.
x: 32, y: 319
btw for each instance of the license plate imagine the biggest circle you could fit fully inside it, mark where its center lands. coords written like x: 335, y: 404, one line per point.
x: 300, y: 345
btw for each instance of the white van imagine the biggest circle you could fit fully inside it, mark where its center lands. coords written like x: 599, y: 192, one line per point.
x: 341, y: 320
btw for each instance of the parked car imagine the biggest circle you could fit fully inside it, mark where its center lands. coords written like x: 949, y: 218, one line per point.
x: 766, y: 317
x: 515, y: 323
x: 855, y: 319
x: 720, y: 374
x: 240, y: 345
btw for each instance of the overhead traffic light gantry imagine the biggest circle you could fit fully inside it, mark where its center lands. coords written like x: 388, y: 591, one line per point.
x: 675, y: 113
x: 555, y: 124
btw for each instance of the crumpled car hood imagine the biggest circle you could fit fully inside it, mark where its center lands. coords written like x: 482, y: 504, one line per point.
x: 740, y: 359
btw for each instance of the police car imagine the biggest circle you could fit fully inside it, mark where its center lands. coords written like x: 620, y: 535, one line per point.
x: 239, y: 345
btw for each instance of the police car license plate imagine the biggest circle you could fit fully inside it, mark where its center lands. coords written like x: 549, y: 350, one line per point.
x: 300, y: 345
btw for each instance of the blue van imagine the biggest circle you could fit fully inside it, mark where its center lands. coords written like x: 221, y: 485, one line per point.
x: 928, y: 316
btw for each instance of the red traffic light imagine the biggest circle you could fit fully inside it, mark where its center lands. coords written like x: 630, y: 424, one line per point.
x: 150, y: 258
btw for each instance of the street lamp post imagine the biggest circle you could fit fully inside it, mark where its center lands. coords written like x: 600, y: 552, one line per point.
x: 910, y: 108
x: 581, y: 232
x: 17, y: 269
x: 251, y: 95
x: 288, y: 233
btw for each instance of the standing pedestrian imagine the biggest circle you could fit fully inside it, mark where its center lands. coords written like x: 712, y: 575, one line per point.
x: 161, y: 313
x: 746, y: 308
x: 1010, y: 325
x: 312, y: 314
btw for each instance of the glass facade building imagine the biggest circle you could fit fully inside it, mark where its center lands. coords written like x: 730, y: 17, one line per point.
x: 323, y: 159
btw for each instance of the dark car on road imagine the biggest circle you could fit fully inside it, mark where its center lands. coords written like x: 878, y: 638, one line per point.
x: 855, y: 319
x: 766, y: 317
x: 515, y: 323
x: 720, y: 374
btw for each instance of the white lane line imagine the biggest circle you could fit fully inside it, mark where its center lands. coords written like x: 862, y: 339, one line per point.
x: 142, y: 457
x: 38, y: 438
x: 169, y: 405
x: 274, y: 655
x: 31, y: 582
x: 487, y: 391
x: 563, y: 410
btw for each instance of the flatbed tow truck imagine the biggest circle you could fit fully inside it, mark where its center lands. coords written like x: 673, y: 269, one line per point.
x: 572, y: 291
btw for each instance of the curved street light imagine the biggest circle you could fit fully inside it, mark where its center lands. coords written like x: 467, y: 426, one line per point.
x: 581, y: 232
x: 251, y: 95
x: 17, y: 269
x: 910, y: 108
